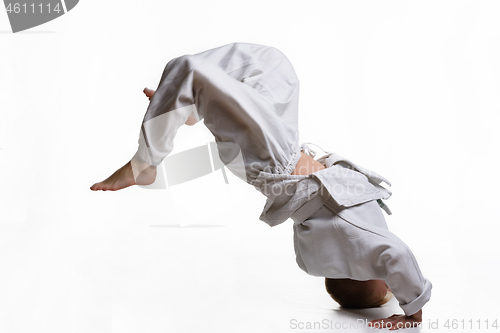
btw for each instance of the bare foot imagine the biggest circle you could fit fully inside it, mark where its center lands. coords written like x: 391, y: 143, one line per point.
x: 149, y: 92
x: 395, y: 322
x: 124, y: 177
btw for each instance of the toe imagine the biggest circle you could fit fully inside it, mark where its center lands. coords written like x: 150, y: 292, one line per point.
x: 149, y: 92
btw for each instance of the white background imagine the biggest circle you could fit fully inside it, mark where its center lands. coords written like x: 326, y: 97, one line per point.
x: 409, y: 89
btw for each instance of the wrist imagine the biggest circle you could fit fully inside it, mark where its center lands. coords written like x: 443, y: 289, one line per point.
x: 417, y: 315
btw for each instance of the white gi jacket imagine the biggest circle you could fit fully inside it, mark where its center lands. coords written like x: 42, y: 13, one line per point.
x: 247, y: 96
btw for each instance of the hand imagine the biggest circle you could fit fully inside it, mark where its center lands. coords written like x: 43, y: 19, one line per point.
x: 395, y: 322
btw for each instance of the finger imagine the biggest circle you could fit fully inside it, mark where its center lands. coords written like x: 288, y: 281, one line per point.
x: 379, y: 323
x: 392, y: 326
x: 402, y: 324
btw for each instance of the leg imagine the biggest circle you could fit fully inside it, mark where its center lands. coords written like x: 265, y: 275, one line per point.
x: 124, y: 177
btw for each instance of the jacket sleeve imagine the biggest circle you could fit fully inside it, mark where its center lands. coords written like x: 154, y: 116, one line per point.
x: 385, y: 257
x: 404, y: 277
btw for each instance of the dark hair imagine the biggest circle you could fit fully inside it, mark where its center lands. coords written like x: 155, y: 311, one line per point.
x: 356, y: 294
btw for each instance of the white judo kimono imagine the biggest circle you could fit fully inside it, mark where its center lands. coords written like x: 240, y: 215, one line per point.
x: 247, y: 96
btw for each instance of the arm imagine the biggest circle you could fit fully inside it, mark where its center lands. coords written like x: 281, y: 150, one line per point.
x: 407, y: 283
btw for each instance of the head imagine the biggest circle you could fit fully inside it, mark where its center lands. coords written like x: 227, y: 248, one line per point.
x: 358, y: 294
